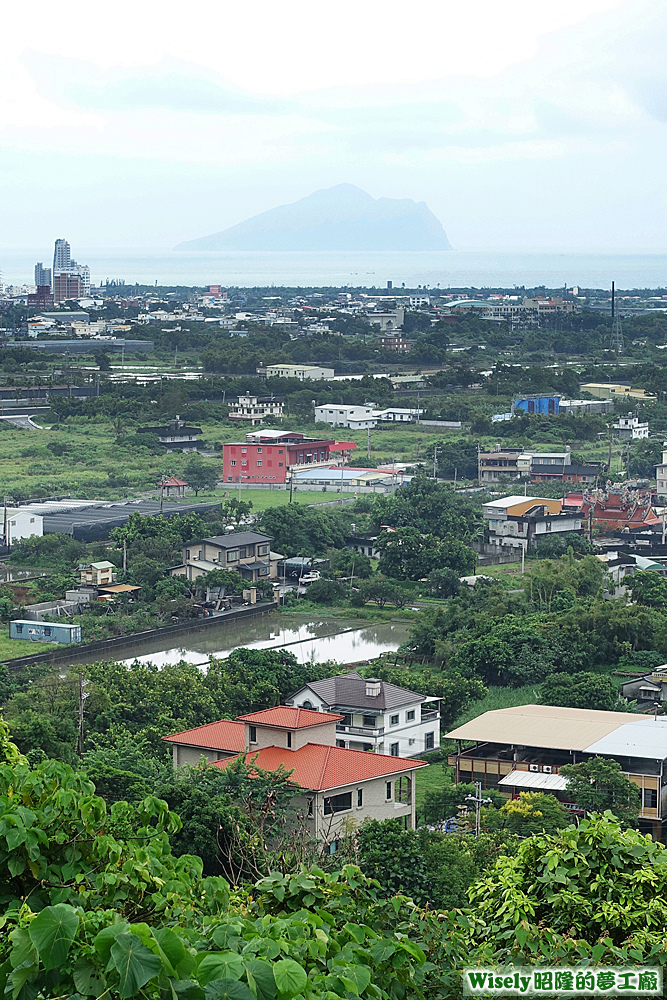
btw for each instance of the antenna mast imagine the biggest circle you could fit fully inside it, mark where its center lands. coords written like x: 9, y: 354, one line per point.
x: 616, y: 326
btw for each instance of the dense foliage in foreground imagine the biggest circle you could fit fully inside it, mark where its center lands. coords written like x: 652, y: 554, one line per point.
x: 94, y: 903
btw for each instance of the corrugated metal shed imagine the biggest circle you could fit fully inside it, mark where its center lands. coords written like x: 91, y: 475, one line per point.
x: 544, y: 726
x: 535, y: 781
x: 643, y: 737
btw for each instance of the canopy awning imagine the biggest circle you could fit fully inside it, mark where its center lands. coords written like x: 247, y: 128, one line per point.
x: 535, y: 780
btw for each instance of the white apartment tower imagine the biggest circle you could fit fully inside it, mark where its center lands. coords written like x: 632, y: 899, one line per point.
x: 62, y: 257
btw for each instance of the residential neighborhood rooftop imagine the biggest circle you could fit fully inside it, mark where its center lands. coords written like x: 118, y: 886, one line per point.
x: 350, y: 690
x: 320, y: 767
x: 284, y: 717
x: 225, y: 734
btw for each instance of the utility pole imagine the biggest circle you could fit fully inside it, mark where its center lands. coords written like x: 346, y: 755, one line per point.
x: 368, y: 442
x: 81, y: 701
x: 435, y: 461
x: 162, y: 496
x: 478, y: 803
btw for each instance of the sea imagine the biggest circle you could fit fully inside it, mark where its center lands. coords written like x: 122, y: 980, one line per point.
x: 433, y: 268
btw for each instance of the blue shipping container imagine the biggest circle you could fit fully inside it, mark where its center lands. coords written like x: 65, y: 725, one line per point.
x: 45, y: 632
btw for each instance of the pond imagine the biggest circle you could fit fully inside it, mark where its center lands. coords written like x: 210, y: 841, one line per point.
x: 311, y: 640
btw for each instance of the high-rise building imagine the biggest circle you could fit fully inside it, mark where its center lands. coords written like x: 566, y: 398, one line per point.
x: 62, y: 256
x: 42, y: 275
x: 66, y: 286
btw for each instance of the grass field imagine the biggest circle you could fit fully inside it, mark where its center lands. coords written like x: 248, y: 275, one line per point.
x: 263, y: 499
x: 10, y: 648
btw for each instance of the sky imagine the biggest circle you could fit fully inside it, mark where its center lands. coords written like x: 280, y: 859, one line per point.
x: 523, y: 125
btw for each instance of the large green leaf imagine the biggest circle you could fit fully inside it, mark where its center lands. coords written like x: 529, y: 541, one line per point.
x: 220, y: 965
x: 134, y: 962
x: 107, y: 937
x: 261, y: 979
x: 87, y: 977
x: 186, y: 989
x: 52, y: 932
x: 228, y: 989
x: 290, y: 977
x: 358, y: 975
x: 173, y: 951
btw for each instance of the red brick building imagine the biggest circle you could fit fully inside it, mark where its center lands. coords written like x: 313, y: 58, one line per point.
x: 265, y: 456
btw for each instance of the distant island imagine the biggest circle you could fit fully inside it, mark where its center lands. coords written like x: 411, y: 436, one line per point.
x: 338, y: 218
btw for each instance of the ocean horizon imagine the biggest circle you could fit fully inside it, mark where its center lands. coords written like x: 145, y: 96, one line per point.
x: 433, y: 268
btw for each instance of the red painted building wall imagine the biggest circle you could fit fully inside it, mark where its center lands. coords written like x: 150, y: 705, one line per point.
x: 268, y: 463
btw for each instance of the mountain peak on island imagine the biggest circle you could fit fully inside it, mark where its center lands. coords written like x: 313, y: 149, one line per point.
x: 342, y: 217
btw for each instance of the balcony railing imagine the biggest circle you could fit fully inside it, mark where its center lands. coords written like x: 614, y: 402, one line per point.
x: 360, y: 731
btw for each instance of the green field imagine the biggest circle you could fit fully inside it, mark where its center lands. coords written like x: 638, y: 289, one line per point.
x: 10, y: 648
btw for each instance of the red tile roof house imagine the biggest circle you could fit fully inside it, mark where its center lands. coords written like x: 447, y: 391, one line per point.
x: 335, y: 784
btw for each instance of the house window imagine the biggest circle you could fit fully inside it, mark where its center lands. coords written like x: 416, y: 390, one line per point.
x: 411, y: 743
x: 233, y: 461
x: 393, y: 720
x: 289, y: 741
x: 369, y: 721
x: 650, y: 798
x: 47, y: 631
x: 429, y: 741
x: 360, y: 798
x: 388, y: 791
x: 347, y: 720
x: 280, y: 464
x: 258, y: 464
x: 280, y: 451
x: 19, y: 628
x: 259, y: 451
x: 306, y: 704
x: 233, y: 555
x: 393, y: 749
x: 262, y: 550
x: 311, y: 807
x: 409, y: 716
x: 253, y: 734
x: 337, y: 803
x: 333, y: 847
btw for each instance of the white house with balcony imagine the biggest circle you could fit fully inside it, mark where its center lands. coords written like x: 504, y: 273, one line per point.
x: 377, y: 716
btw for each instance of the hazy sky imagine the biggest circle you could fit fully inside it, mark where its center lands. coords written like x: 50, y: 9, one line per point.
x: 521, y: 124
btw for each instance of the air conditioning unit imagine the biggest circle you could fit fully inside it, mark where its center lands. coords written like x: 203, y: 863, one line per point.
x: 547, y: 768
x: 534, y: 767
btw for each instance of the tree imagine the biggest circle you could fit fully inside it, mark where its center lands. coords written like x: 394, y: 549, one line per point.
x: 346, y: 562
x: 445, y: 582
x: 235, y: 510
x: 648, y: 589
x: 598, y: 785
x: 580, y: 690
x: 200, y: 475
x: 532, y: 812
x: 300, y: 530
x: 325, y: 592
x: 381, y: 592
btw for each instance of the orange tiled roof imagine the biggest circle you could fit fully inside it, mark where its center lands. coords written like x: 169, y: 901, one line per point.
x: 320, y: 767
x: 226, y: 734
x: 284, y: 717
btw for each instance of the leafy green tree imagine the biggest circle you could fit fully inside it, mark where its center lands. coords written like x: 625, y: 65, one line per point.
x: 532, y: 812
x: 444, y: 582
x: 381, y: 592
x: 301, y: 530
x: 599, y: 785
x: 580, y: 690
x: 345, y: 562
x: 325, y: 592
x: 230, y: 579
x: 648, y: 589
x: 200, y: 475
x: 236, y: 510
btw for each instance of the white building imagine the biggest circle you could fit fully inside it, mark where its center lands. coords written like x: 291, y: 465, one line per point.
x: 302, y: 372
x: 631, y: 429
x: 18, y: 523
x: 389, y: 321
x: 519, y: 522
x: 377, y: 716
x: 661, y: 474
x: 255, y: 409
x: 397, y: 414
x: 342, y: 415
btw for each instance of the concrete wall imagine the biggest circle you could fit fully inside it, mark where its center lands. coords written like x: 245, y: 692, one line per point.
x: 375, y: 806
x: 268, y: 736
x: 192, y: 755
